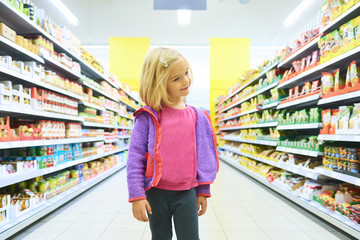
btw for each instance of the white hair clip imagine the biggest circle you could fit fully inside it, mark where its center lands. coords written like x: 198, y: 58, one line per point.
x: 165, y: 64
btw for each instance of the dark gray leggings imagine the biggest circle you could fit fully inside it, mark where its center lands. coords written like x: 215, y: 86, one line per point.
x: 182, y: 205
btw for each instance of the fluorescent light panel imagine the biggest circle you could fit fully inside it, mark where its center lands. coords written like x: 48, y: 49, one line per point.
x: 64, y: 10
x: 184, y: 17
x: 294, y: 15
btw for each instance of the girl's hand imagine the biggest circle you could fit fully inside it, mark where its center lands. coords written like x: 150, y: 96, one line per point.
x: 138, y: 208
x: 201, y: 201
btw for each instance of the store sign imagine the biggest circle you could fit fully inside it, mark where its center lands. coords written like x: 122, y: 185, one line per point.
x: 179, y: 4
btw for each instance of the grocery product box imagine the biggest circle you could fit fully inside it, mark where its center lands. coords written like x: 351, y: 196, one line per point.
x: 5, y: 92
x: 7, y: 32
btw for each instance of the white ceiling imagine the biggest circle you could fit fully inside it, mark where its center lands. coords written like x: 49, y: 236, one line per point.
x: 260, y: 20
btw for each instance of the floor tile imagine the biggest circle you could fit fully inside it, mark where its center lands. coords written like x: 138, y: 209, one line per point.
x: 258, y: 235
x: 288, y: 235
x: 76, y: 235
x: 121, y: 235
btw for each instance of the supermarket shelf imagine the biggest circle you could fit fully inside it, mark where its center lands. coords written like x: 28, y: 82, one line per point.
x: 17, y: 52
x: 267, y: 106
x: 23, y: 25
x: 261, y: 125
x: 300, y: 126
x: 126, y: 117
x: 92, y: 106
x: 111, y: 140
x: 34, y: 143
x: 302, y: 102
x: 124, y: 137
x: 261, y: 74
x: 29, y: 81
x: 316, y: 71
x: 339, y: 137
x: 93, y: 73
x: 40, y: 172
x: 339, y: 176
x: 353, y: 96
x: 300, y: 53
x: 342, y: 19
x: 130, y: 95
x: 260, y: 142
x: 99, y: 91
x: 330, y: 216
x: 100, y: 125
x: 300, y: 151
x: 18, y: 224
x: 111, y: 109
x: 60, y: 69
x: 128, y: 106
x: 127, y: 128
x: 251, y: 96
x: 18, y: 110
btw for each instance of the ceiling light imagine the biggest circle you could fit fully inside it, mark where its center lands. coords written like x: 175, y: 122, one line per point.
x: 184, y: 17
x: 64, y: 10
x: 297, y: 12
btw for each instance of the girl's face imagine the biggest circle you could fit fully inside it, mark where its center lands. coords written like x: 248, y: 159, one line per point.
x: 179, y: 80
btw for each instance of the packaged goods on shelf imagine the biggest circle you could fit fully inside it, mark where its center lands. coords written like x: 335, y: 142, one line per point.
x: 333, y: 84
x: 298, y: 44
x: 90, y: 59
x: 345, y: 120
x: 301, y: 117
x: 7, y: 32
x: 297, y: 93
x: 333, y: 9
x: 301, y: 66
x: 342, y: 159
x: 92, y: 132
x: 302, y: 143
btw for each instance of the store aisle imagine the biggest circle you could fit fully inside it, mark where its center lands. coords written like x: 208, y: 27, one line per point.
x: 239, y: 210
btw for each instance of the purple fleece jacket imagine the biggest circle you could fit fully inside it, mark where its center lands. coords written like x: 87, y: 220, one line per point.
x: 144, y: 165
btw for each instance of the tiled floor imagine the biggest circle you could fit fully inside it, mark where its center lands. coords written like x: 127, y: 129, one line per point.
x: 239, y: 209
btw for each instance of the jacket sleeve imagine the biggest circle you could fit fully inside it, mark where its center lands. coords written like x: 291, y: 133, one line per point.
x: 136, y: 161
x: 203, y: 190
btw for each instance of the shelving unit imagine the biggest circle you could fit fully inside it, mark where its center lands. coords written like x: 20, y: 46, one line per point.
x: 40, y: 172
x: 301, y: 103
x: 315, y: 72
x: 300, y: 126
x: 8, y: 47
x: 312, y: 129
x: 25, y: 27
x: 17, y: 225
x: 352, y: 96
x: 59, y: 68
x: 260, y: 142
x: 300, y: 151
x: 310, y: 173
x: 28, y: 81
x: 250, y: 96
x: 34, y: 143
x: 300, y: 53
x: 92, y: 106
x: 260, y: 125
x: 338, y: 137
x: 260, y: 75
x: 315, y: 208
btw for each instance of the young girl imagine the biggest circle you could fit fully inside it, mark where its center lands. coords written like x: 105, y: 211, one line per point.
x: 172, y: 155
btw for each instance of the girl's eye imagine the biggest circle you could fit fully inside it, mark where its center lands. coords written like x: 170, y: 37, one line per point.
x: 187, y: 72
x: 176, y: 79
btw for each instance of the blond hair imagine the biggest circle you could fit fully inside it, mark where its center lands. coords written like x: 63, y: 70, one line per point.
x: 154, y: 76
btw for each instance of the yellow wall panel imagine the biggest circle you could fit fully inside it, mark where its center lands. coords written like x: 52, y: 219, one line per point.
x: 229, y: 58
x: 126, y: 58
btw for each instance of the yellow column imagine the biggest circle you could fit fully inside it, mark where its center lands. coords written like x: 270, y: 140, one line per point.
x: 126, y: 58
x: 229, y: 58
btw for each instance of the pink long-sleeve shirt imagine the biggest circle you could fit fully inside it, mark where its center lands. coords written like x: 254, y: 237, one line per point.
x: 178, y: 149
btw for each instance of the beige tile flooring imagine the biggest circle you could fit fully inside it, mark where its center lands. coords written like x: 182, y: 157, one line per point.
x: 240, y: 209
